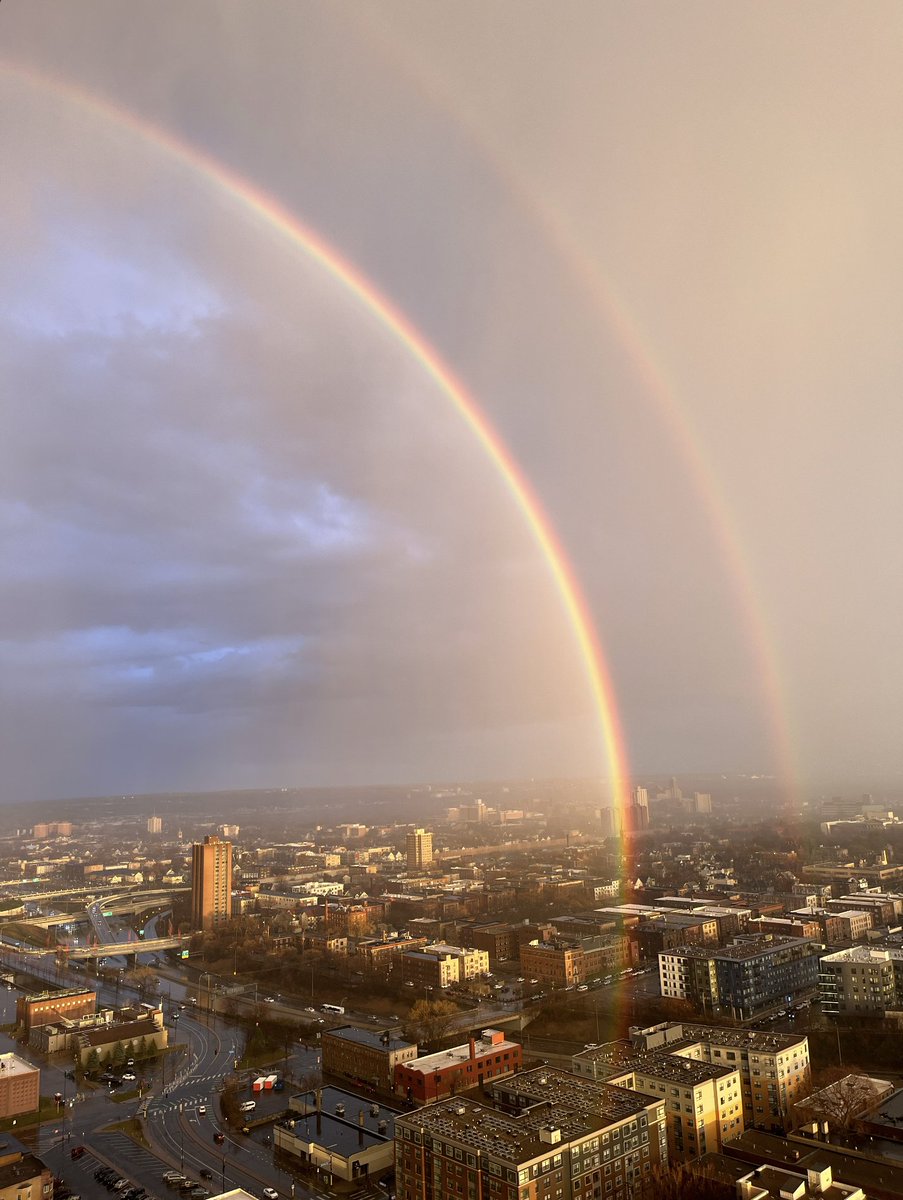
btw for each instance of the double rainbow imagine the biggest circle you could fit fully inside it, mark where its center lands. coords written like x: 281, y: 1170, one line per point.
x: 272, y: 214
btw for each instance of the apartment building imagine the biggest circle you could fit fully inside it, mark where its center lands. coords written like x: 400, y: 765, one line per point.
x: 853, y: 924
x: 774, y: 1067
x: 500, y: 941
x: 366, y: 1058
x: 564, y: 962
x: 885, y: 907
x: 666, y: 931
x: 20, y: 1086
x: 379, y: 952
x: 418, y: 849
x: 211, y: 882
x: 547, y: 1136
x: 862, y: 980
x: 436, y: 1076
x: 750, y: 977
x: 793, y: 927
x: 703, y: 1101
x: 439, y: 966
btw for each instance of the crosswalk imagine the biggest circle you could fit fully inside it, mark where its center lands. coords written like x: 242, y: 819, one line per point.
x: 186, y: 1103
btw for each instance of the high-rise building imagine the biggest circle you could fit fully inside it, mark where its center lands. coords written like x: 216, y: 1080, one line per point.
x: 420, y: 849
x: 154, y: 824
x: 211, y: 882
x: 702, y: 802
x: 229, y: 831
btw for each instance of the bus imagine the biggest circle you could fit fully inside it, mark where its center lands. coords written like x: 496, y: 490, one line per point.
x: 332, y: 1008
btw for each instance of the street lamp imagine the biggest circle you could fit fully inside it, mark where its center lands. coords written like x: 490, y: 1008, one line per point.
x: 181, y: 1140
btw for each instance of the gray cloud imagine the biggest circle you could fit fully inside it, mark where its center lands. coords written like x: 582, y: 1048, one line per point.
x: 245, y: 538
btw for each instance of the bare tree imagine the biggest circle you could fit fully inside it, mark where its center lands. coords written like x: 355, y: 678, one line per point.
x: 842, y: 1097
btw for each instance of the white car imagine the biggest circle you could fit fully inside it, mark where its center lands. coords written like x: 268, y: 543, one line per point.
x: 271, y: 1194
x: 202, y: 1110
x: 128, y: 1077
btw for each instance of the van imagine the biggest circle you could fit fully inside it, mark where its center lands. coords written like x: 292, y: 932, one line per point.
x: 247, y: 1106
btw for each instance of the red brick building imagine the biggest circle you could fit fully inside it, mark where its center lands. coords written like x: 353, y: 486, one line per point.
x: 47, y: 1007
x: 436, y: 1076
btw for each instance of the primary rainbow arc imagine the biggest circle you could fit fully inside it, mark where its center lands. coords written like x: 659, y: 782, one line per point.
x: 280, y: 219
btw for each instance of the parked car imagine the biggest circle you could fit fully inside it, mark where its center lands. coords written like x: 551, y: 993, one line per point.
x: 76, y: 1152
x: 219, y: 1138
x: 271, y: 1194
x: 206, y: 1173
x: 202, y: 1110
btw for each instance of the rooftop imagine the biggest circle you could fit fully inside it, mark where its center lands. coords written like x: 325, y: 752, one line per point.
x: 11, y: 1064
x: 455, y: 1055
x: 738, y: 951
x: 16, y: 1172
x: 866, y: 954
x: 340, y: 1131
x: 742, y: 1039
x: 662, y: 1063
x: 555, y: 1099
x: 367, y: 1037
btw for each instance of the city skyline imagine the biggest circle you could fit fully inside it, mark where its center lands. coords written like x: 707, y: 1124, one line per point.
x: 254, y: 534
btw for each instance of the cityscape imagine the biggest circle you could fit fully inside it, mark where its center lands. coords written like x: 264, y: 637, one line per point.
x: 522, y: 994
x: 450, y: 681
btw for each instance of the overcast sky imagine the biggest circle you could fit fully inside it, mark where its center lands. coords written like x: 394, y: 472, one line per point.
x: 246, y: 540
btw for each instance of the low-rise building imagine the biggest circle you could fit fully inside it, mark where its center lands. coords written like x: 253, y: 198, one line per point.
x: 778, y: 1183
x: 439, y: 966
x: 434, y: 1076
x: 341, y: 1135
x: 565, y: 962
x: 787, y: 927
x: 378, y: 952
x: 853, y: 924
x: 23, y: 1176
x: 46, y: 1007
x: 364, y: 1057
x: 130, y: 1028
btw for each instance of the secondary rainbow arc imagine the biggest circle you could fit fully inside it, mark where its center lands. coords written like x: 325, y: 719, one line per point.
x: 275, y: 216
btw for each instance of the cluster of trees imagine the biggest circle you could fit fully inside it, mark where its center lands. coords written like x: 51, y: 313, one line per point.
x: 429, y: 1023
x: 144, y: 1050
